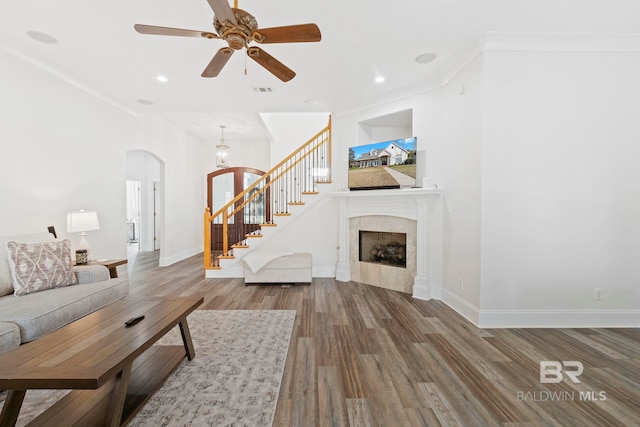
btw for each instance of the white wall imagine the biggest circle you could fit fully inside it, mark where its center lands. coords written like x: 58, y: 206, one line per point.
x: 64, y: 149
x: 561, y: 188
x: 183, y: 204
x: 61, y: 150
x: 462, y: 140
x: 291, y: 130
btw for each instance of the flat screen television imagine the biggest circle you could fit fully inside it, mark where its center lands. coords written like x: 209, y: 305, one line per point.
x: 387, y: 164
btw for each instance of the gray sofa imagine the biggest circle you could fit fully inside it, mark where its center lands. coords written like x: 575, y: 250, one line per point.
x: 27, y: 317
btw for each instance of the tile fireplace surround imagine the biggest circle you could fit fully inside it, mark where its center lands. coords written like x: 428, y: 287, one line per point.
x: 402, y: 211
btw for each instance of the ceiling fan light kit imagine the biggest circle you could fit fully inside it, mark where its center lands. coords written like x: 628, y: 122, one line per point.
x: 239, y: 28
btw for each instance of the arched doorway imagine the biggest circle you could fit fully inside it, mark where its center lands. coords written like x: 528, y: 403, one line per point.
x: 222, y: 187
x: 145, y: 177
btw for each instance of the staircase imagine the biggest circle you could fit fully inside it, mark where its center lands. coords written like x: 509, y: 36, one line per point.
x: 240, y: 225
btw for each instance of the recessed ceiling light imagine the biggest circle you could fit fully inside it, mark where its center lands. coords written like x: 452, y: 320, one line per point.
x: 42, y: 37
x: 161, y: 78
x: 379, y: 79
x: 425, y: 58
x: 144, y: 102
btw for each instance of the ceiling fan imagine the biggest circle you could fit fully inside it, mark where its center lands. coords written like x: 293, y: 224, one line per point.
x: 239, y: 28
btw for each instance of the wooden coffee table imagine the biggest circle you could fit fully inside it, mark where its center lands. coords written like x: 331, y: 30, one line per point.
x: 112, y: 369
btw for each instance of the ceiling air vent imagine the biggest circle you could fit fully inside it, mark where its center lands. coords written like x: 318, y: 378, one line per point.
x: 262, y: 89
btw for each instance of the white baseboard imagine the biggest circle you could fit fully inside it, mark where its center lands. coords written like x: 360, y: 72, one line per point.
x: 343, y: 272
x: 488, y: 319
x: 323, y: 271
x: 231, y: 272
x: 461, y: 306
x: 423, y: 289
x: 165, y: 261
x: 559, y: 319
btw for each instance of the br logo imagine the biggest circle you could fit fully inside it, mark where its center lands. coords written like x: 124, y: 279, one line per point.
x: 551, y: 371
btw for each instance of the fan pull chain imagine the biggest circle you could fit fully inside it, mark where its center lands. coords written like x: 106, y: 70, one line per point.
x: 245, y: 65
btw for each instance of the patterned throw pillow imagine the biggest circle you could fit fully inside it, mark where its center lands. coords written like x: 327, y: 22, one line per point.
x: 39, y: 266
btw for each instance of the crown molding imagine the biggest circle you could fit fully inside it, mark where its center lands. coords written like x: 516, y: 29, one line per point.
x: 14, y: 47
x: 560, y: 42
x: 535, y: 42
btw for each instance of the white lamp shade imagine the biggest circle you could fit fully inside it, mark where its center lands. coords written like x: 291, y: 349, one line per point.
x: 82, y: 221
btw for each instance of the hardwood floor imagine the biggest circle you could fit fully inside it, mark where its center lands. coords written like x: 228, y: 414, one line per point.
x: 366, y: 356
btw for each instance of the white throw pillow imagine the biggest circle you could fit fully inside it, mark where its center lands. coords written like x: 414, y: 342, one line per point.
x: 40, y: 266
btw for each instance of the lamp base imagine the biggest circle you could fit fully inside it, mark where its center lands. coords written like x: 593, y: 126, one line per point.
x: 83, y: 244
x: 82, y: 257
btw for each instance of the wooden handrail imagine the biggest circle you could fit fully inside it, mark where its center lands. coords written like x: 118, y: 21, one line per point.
x: 268, y: 184
x: 273, y: 169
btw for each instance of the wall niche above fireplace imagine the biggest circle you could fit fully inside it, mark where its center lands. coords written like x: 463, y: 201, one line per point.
x: 381, y: 247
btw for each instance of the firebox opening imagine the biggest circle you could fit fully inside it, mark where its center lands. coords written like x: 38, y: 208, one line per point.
x: 380, y: 247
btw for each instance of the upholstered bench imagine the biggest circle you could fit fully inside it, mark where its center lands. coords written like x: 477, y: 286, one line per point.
x: 277, y: 267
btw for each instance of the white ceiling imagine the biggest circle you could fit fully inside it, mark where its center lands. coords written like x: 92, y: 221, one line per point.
x: 98, y: 49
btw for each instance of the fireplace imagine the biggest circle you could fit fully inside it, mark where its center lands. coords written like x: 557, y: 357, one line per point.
x: 383, y: 247
x: 403, y: 211
x: 389, y: 234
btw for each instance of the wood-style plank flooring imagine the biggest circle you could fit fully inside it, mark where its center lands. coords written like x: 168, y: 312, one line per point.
x: 365, y: 356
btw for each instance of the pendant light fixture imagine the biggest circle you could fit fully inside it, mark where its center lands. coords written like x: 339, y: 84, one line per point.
x: 222, y: 151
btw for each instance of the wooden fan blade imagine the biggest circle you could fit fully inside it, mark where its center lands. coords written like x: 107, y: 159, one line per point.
x: 288, y: 34
x: 218, y: 62
x: 222, y: 11
x: 168, y: 31
x: 272, y: 65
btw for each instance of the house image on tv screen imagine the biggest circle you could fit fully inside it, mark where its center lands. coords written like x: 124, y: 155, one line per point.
x: 389, y: 164
x: 393, y: 154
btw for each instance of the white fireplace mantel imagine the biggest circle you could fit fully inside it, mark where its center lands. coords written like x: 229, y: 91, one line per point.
x: 410, y: 203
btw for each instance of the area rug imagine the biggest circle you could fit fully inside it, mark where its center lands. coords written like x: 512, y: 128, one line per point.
x: 234, y: 380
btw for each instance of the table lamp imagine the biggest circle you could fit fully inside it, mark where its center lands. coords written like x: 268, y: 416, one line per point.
x: 82, y: 221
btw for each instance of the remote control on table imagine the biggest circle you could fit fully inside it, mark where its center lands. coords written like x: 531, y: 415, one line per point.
x: 133, y: 321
